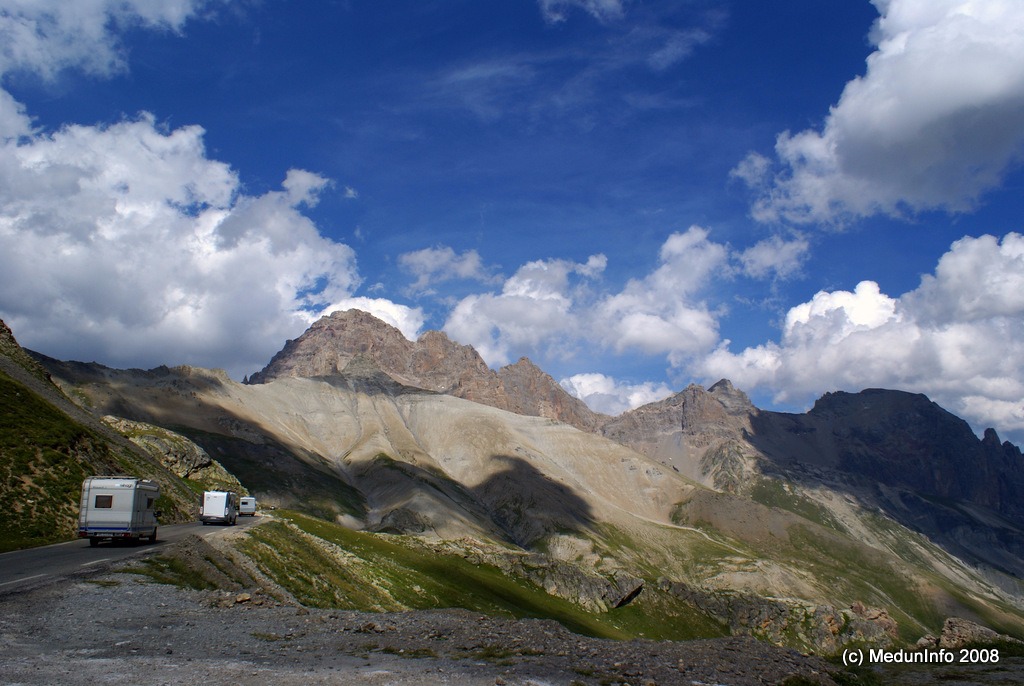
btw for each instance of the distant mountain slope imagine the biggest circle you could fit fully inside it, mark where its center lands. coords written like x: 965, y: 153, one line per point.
x: 893, y: 451
x: 434, y: 362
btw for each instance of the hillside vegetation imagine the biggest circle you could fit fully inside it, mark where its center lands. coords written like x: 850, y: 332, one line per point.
x: 48, y: 446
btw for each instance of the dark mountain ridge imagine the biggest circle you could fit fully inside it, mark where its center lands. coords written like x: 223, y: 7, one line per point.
x: 888, y: 450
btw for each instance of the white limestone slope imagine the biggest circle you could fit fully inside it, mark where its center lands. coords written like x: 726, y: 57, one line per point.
x: 453, y: 442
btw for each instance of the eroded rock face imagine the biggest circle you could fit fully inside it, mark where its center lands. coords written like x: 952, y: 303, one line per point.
x: 700, y: 433
x: 434, y: 362
x: 824, y: 628
x: 177, y: 453
x: 958, y: 632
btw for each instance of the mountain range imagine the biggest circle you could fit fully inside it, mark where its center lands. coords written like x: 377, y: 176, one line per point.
x: 872, y: 517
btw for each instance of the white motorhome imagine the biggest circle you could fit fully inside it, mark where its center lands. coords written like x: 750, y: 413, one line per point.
x: 247, y: 506
x: 218, y: 506
x: 118, y: 508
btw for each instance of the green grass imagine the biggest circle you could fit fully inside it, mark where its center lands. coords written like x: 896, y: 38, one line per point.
x: 384, y: 573
x: 172, y: 571
x: 43, y: 461
x: 774, y: 493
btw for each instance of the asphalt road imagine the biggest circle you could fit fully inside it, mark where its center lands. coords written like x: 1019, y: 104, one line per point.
x: 24, y: 569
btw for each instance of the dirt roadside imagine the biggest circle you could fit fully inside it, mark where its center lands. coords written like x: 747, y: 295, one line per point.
x: 118, y: 627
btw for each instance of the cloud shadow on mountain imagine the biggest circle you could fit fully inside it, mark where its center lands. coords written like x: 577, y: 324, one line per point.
x: 528, y: 505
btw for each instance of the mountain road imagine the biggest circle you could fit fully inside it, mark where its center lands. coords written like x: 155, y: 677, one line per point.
x: 24, y: 569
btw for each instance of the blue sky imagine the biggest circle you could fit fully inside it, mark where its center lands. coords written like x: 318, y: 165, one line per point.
x: 799, y: 196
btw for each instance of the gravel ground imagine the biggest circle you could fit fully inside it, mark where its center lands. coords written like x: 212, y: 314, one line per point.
x: 125, y: 629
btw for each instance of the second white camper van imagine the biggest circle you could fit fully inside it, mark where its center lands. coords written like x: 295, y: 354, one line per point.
x: 247, y: 506
x: 219, y: 507
x: 117, y: 508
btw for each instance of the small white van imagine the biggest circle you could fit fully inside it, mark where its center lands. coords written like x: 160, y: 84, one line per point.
x: 247, y: 506
x: 118, y: 508
x: 219, y: 507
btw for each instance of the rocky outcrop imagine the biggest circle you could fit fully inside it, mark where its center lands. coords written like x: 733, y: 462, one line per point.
x: 593, y: 592
x: 433, y: 362
x: 958, y: 632
x: 180, y: 455
x: 177, y: 453
x: 822, y: 628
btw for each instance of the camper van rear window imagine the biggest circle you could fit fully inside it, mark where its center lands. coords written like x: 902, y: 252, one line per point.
x: 104, y: 501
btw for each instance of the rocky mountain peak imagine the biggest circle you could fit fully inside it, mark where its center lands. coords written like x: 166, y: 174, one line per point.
x: 735, y: 401
x: 721, y: 410
x: 532, y: 391
x: 330, y: 343
x: 699, y: 417
x: 433, y: 362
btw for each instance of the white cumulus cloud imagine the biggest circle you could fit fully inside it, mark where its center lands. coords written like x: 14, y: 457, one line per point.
x: 555, y: 307
x: 958, y: 337
x: 535, y: 309
x: 774, y: 256
x: 128, y: 245
x: 661, y: 312
x: 48, y: 36
x: 935, y: 121
x: 125, y: 243
x: 432, y: 266
x: 613, y: 397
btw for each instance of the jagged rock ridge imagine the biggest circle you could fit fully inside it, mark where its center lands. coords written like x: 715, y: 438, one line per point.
x: 433, y: 362
x: 891, y: 450
x: 898, y: 451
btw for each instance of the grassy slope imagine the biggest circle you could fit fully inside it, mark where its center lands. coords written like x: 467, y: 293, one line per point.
x: 325, y: 565
x: 44, y: 457
x: 41, y: 468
